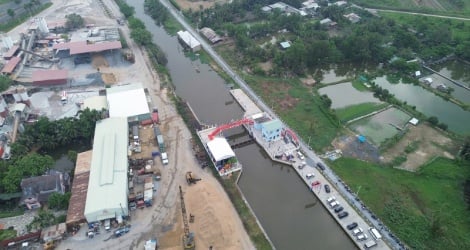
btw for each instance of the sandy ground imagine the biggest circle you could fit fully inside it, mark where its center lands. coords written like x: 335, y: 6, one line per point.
x: 217, y: 224
x: 431, y: 143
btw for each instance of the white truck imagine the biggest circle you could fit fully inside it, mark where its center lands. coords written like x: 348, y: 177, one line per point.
x: 164, y: 158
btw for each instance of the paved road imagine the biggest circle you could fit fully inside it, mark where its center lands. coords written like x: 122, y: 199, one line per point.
x: 313, y: 158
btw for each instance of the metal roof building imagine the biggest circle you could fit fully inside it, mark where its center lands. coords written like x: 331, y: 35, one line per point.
x: 108, y: 186
x: 128, y: 101
x: 50, y: 77
x: 82, y: 47
x: 79, y: 189
x: 220, y: 149
x: 189, y: 40
x: 11, y: 65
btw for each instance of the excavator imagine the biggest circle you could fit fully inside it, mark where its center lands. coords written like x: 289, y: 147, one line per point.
x: 188, y: 237
x: 190, y: 179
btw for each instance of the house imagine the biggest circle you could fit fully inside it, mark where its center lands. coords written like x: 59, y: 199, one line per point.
x: 271, y: 130
x: 210, y: 35
x: 310, y: 4
x: 189, y: 41
x: 39, y: 188
x: 353, y: 17
x: 285, y: 45
x: 340, y: 3
x: 328, y: 22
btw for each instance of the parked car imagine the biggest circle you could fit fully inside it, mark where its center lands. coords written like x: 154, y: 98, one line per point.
x: 320, y: 166
x: 327, y: 188
x: 339, y: 209
x: 361, y: 236
x: 132, y: 206
x: 332, y: 198
x: 351, y: 226
x: 310, y: 175
x: 342, y: 214
x: 357, y: 231
x: 300, y: 155
x: 123, y: 230
x: 334, y: 204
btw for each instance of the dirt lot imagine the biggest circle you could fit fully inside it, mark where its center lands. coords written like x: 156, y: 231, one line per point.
x: 197, y: 5
x: 430, y: 143
x: 217, y: 222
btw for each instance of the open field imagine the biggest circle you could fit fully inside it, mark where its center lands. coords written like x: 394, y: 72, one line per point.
x: 299, y: 107
x: 432, y: 5
x: 425, y: 209
x: 420, y: 144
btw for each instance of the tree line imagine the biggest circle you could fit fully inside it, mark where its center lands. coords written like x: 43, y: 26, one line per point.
x: 372, y: 40
x: 48, y: 135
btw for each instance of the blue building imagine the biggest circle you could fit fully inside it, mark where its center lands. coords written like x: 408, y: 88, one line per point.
x: 271, y: 130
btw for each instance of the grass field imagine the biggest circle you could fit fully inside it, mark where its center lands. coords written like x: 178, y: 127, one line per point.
x: 302, y: 110
x: 425, y: 209
x: 353, y: 111
x: 440, y: 6
x: 7, y: 234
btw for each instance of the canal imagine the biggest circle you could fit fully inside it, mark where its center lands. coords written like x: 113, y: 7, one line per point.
x: 286, y: 208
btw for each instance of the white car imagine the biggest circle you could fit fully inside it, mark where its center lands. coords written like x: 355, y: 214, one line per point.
x: 309, y: 176
x: 357, y: 231
x: 361, y: 236
x: 334, y: 204
x: 300, y: 155
x: 332, y: 198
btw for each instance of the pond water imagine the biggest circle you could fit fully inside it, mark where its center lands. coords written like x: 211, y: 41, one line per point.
x: 379, y: 127
x: 456, y: 118
x: 457, y: 71
x: 344, y: 94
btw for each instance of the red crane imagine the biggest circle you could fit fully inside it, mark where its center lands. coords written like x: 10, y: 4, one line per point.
x: 229, y: 126
x: 292, y: 135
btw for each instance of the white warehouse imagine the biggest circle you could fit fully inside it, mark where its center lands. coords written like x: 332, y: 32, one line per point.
x: 108, y: 187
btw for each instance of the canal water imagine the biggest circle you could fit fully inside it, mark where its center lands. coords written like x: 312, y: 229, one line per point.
x: 458, y: 71
x: 280, y: 199
x: 344, y: 94
x: 429, y: 104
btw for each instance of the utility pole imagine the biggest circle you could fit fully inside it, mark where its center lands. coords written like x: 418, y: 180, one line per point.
x: 358, y: 189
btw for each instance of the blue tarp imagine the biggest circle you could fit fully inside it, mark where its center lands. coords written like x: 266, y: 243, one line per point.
x: 361, y: 138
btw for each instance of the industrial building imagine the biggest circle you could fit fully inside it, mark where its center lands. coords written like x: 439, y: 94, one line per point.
x: 50, y: 77
x: 129, y: 101
x: 108, y: 185
x: 75, y: 213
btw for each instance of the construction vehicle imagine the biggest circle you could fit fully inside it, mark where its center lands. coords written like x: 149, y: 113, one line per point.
x: 128, y: 55
x: 188, y: 237
x: 49, y: 245
x: 190, y: 179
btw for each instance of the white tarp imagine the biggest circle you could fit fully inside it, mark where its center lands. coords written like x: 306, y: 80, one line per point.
x: 220, y: 149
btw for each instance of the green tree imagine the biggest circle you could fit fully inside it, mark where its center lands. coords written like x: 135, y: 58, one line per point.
x: 141, y: 36
x: 42, y: 220
x: 135, y: 23
x: 5, y: 82
x: 72, y: 155
x: 59, y: 201
x: 433, y: 120
x: 11, y: 13
x: 74, y: 21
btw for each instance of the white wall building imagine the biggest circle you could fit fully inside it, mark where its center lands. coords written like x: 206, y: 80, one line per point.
x: 128, y: 101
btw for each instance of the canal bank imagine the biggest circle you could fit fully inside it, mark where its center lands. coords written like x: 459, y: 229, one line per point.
x: 284, y: 215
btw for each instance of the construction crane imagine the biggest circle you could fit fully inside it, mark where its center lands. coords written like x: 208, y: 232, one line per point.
x: 190, y: 179
x: 188, y: 237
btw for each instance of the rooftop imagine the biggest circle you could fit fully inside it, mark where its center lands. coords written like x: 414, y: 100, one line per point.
x: 220, y: 149
x: 188, y: 39
x: 11, y: 51
x: 108, y: 172
x: 127, y: 100
x: 10, y: 65
x: 75, y: 213
x: 50, y: 75
x: 272, y: 124
x: 81, y: 47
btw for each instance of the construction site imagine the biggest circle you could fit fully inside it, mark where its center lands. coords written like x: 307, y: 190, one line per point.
x: 57, y: 73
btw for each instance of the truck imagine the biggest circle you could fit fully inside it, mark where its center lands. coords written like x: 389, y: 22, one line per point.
x: 370, y: 244
x: 164, y: 158
x: 161, y: 143
x: 148, y: 197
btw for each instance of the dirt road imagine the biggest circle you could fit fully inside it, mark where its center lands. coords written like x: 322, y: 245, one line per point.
x: 217, y: 224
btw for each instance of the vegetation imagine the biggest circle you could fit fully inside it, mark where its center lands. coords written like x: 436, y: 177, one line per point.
x: 7, y: 234
x: 74, y: 21
x: 59, y: 201
x: 5, y: 82
x: 125, y: 9
x: 47, y: 135
x: 426, y: 209
x: 354, y: 111
x: 33, y: 10
x: 44, y: 219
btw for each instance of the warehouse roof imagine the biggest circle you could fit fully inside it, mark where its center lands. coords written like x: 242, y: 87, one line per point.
x: 50, y: 75
x: 10, y: 65
x: 79, y: 188
x: 108, y: 172
x: 11, y: 52
x: 220, y: 149
x: 127, y: 100
x: 82, y: 47
x: 191, y: 41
